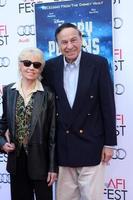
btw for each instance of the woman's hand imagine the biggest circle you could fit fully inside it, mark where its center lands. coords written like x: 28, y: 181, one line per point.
x: 8, y: 147
x: 52, y: 177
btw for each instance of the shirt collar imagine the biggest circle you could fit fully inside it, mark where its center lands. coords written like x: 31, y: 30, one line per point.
x: 76, y: 62
x: 38, y: 86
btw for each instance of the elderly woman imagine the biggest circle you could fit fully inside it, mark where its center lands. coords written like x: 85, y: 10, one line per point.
x: 27, y: 130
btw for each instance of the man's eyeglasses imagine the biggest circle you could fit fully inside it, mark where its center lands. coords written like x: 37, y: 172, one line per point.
x: 28, y: 63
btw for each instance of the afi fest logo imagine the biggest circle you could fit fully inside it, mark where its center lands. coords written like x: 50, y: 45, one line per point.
x: 119, y: 61
x: 3, y: 35
x: 116, y: 189
x: 120, y: 127
x: 27, y: 6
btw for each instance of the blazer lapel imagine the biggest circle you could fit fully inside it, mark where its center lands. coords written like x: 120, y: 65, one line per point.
x: 84, y: 82
x: 11, y: 101
x: 37, y: 108
x: 60, y: 92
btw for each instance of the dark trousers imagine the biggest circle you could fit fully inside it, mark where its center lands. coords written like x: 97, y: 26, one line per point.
x: 23, y: 188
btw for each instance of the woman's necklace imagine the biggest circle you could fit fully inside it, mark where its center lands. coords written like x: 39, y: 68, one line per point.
x: 27, y: 93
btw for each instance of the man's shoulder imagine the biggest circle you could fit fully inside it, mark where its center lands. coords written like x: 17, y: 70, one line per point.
x: 54, y: 59
x: 52, y: 64
x: 93, y: 57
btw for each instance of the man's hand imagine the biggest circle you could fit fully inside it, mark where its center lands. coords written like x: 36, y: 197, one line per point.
x: 107, y: 154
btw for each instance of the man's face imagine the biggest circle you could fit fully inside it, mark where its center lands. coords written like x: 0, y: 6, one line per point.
x: 70, y: 43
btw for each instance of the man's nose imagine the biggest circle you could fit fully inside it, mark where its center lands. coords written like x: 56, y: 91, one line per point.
x: 69, y: 45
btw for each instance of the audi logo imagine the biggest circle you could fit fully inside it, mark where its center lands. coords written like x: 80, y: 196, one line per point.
x: 26, y: 30
x: 118, y: 22
x: 4, y: 178
x: 116, y: 1
x: 119, y: 89
x: 3, y: 3
x: 4, y: 61
x: 119, y: 154
x: 3, y: 157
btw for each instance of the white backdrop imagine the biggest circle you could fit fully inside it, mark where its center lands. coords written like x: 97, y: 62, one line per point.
x: 17, y: 30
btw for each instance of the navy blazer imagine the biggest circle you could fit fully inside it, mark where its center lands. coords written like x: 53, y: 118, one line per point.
x: 84, y: 129
x: 41, y: 142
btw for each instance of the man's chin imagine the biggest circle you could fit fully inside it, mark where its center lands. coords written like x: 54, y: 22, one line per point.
x: 71, y: 58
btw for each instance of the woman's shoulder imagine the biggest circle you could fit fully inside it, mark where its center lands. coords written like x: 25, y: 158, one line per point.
x: 8, y: 86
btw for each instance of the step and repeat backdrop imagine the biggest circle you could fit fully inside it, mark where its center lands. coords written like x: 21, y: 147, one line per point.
x: 26, y: 23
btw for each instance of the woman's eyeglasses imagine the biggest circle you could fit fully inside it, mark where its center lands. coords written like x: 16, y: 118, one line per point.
x: 28, y: 63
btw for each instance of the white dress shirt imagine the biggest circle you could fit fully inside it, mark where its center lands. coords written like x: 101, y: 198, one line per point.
x: 71, y: 74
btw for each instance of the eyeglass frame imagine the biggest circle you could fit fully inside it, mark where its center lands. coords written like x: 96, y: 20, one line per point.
x: 35, y: 64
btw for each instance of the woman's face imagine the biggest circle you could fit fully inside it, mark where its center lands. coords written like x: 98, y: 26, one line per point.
x: 30, y: 67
